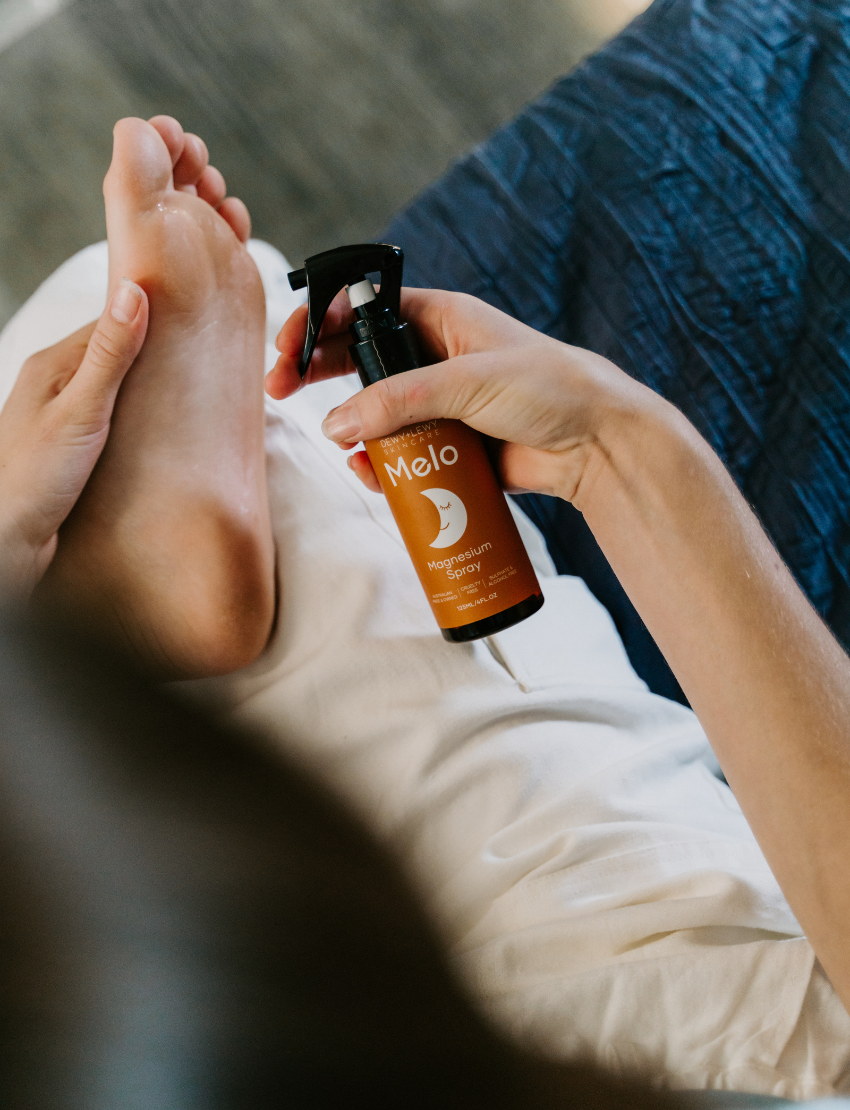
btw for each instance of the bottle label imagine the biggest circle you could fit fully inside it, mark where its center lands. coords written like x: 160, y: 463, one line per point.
x: 454, y: 520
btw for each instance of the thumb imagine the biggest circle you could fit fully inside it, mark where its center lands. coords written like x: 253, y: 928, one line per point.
x: 448, y: 389
x: 114, y: 344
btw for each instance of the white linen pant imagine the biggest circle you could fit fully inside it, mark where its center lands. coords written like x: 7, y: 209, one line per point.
x: 597, y: 884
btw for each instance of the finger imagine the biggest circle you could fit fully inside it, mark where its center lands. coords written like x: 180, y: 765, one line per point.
x: 290, y: 339
x: 330, y: 357
x: 332, y: 360
x: 116, y: 340
x: 454, y: 389
x: 283, y: 379
x: 425, y: 309
x: 236, y: 214
x: 524, y: 469
x: 46, y: 373
x: 360, y: 465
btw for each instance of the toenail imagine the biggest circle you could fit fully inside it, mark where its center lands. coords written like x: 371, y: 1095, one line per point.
x: 126, y: 302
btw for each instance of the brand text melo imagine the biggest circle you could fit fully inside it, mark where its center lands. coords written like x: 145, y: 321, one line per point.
x: 420, y: 465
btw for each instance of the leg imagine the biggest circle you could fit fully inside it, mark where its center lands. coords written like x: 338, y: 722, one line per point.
x: 170, y: 547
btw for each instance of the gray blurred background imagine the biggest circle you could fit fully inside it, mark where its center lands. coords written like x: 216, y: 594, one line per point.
x: 325, y: 116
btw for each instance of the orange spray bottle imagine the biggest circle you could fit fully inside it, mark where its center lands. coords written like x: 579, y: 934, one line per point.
x: 437, y: 478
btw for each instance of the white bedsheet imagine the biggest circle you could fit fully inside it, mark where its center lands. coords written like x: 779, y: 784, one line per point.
x: 598, y: 886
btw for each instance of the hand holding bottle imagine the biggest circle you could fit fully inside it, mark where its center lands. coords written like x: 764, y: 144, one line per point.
x: 550, y: 404
x: 462, y: 539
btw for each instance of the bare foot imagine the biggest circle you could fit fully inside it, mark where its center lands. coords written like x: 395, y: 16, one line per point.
x: 170, y: 545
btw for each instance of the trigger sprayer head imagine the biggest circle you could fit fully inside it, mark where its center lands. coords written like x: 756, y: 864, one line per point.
x: 326, y: 273
x: 360, y: 293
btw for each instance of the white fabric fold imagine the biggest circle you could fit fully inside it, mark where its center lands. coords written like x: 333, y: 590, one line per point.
x: 599, y: 887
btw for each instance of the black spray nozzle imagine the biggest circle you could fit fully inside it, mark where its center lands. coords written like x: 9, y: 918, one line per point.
x: 326, y: 273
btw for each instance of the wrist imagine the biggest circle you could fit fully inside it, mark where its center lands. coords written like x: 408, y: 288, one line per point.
x: 646, y: 461
x: 664, y: 510
x: 629, y: 427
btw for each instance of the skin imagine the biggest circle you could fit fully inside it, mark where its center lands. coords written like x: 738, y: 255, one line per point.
x: 53, y: 428
x: 169, y: 550
x: 768, y: 681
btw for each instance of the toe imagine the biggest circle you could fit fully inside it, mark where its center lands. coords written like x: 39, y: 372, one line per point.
x: 211, y: 186
x: 236, y: 214
x: 141, y: 163
x: 172, y: 135
x: 192, y: 162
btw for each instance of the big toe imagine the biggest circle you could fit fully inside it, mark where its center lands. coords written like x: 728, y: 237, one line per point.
x: 141, y: 163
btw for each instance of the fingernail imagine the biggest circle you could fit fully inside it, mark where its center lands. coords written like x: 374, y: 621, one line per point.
x: 126, y: 302
x: 342, y: 424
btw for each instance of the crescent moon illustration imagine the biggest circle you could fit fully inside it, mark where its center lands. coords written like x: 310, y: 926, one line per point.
x: 452, y: 516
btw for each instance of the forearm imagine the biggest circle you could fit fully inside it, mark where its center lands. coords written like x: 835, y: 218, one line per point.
x: 766, y: 678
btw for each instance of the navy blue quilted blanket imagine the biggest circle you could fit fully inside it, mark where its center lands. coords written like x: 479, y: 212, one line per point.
x: 681, y: 204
